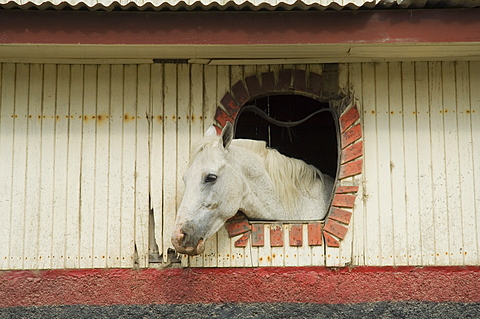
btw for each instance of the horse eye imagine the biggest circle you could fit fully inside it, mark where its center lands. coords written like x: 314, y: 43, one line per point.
x: 210, y: 178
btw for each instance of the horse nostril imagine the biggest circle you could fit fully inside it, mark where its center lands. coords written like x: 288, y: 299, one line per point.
x: 184, y: 239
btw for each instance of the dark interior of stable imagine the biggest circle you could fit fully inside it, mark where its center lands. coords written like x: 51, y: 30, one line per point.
x: 314, y: 141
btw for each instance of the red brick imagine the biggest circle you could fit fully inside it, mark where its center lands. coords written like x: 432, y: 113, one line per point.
x: 346, y: 189
x: 299, y: 81
x: 340, y: 215
x: 314, y: 83
x: 242, y: 241
x: 284, y: 80
x: 351, y: 135
x: 276, y: 235
x: 342, y: 200
x: 330, y: 240
x: 218, y: 129
x: 335, y: 228
x: 232, y: 106
x: 296, y: 235
x: 238, y: 227
x: 222, y: 117
x: 258, y: 237
x: 350, y: 169
x: 253, y: 85
x: 315, y: 234
x: 268, y: 82
x: 240, y: 93
x: 348, y: 118
x: 352, y: 152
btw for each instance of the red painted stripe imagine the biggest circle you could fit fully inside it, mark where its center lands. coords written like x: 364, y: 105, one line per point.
x: 218, y: 285
x: 209, y: 28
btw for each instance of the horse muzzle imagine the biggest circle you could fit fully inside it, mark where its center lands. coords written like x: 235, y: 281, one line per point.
x: 186, y: 242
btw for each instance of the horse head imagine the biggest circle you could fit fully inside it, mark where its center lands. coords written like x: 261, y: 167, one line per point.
x: 213, y: 192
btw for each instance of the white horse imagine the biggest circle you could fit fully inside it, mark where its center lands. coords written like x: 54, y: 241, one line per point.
x: 225, y: 176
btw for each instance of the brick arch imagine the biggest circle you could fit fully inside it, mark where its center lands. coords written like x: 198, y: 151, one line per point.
x: 294, y: 81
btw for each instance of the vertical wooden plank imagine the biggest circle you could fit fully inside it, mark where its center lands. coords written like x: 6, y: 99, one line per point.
x: 156, y: 153
x: 183, y: 125
x: 383, y: 164
x: 438, y: 163
x: 424, y: 164
x: 102, y: 140
x: 265, y: 251
x: 315, y: 239
x: 238, y: 253
x: 47, y: 168
x: 276, y: 235
x: 224, y: 251
x: 33, y: 171
x: 474, y: 78
x: 142, y: 165
x: 468, y: 77
x: 469, y: 251
x: 115, y: 206
x: 128, y: 166
x: 397, y: 166
x: 87, y: 214
x: 6, y: 158
x: 61, y: 162
x: 452, y: 167
x: 411, y: 164
x: 371, y: 210
x: 358, y: 223
x: 19, y: 166
x: 170, y: 155
x: 72, y: 229
x: 305, y: 251
x: 210, y: 94
x: 290, y: 252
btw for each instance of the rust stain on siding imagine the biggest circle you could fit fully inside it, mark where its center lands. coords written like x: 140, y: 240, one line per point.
x: 102, y: 118
x: 127, y: 117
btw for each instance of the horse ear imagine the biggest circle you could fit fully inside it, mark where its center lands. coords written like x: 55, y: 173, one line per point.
x: 227, y: 134
x: 211, y: 131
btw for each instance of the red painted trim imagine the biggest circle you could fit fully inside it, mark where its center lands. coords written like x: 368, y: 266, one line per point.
x: 218, y: 285
x: 210, y: 28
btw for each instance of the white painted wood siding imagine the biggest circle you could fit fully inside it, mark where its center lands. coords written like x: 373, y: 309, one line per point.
x: 75, y: 166
x: 421, y: 155
x: 87, y: 152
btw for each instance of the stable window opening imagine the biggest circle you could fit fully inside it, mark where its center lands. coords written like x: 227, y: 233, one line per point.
x: 297, y: 126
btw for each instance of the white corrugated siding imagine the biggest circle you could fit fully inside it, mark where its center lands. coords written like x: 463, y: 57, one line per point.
x: 421, y: 124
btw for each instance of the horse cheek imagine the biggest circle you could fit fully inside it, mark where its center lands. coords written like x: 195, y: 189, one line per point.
x: 233, y: 198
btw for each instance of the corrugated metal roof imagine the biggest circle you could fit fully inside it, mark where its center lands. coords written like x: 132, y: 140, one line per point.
x: 191, y: 5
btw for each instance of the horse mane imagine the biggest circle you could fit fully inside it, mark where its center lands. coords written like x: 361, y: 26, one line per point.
x: 290, y: 176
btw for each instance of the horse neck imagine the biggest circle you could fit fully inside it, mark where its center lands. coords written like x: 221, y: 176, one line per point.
x: 260, y: 200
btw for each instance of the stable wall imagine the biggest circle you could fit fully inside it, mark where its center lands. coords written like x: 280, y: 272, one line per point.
x: 92, y: 158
